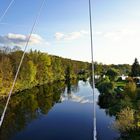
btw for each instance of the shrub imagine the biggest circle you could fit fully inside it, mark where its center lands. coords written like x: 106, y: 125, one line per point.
x: 125, y: 120
x: 130, y: 89
x: 106, y: 87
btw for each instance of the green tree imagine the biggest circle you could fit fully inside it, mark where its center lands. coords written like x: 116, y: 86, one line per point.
x: 6, y: 69
x: 37, y: 68
x: 98, y: 68
x: 27, y: 74
x: 43, y: 65
x: 130, y: 89
x: 106, y: 87
x: 125, y: 120
x: 112, y: 74
x: 135, y: 70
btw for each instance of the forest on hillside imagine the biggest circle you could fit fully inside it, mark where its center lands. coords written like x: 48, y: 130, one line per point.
x: 37, y: 68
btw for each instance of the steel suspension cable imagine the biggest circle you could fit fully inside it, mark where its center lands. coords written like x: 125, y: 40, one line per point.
x: 93, y: 81
x: 11, y: 90
x: 6, y: 10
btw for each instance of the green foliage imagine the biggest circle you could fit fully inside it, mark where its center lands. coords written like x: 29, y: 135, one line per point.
x: 6, y: 75
x: 37, y: 68
x: 130, y: 89
x: 28, y: 73
x: 125, y: 121
x: 126, y: 102
x: 101, y: 69
x: 98, y: 68
x: 43, y: 65
x: 121, y: 84
x: 112, y: 74
x: 106, y: 87
x: 123, y: 102
x: 135, y: 70
x: 129, y: 79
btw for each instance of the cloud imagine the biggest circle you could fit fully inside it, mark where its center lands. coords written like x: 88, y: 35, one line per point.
x: 19, y: 40
x: 59, y: 36
x: 75, y: 98
x: 117, y: 35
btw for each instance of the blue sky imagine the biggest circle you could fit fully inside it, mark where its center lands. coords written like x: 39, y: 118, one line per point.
x: 63, y: 28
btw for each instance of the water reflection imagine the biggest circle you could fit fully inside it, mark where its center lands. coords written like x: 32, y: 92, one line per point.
x: 71, y: 92
x: 33, y: 104
x: 29, y: 105
x: 55, y: 111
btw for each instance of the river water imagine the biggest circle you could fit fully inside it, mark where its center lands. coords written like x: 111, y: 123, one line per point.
x: 56, y: 112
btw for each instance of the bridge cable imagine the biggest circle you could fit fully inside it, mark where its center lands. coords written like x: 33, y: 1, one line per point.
x: 6, y: 10
x: 26, y: 45
x: 93, y: 81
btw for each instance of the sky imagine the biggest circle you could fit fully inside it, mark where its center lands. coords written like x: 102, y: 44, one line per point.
x: 63, y: 28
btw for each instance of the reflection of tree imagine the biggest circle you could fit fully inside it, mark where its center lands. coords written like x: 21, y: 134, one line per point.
x: 58, y: 91
x: 124, y: 106
x: 68, y: 83
x: 44, y: 98
x: 69, y: 87
x: 72, y: 87
x: 27, y: 106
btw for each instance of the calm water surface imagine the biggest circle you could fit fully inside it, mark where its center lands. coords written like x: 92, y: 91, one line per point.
x: 55, y: 112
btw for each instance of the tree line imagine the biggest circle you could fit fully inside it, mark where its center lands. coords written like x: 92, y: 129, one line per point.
x: 122, y: 69
x: 37, y: 68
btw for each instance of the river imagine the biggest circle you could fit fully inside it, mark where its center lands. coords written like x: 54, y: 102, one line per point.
x: 56, y: 112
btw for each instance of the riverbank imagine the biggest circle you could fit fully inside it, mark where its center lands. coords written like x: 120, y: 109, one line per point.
x: 37, y: 68
x: 18, y: 91
x: 66, y: 82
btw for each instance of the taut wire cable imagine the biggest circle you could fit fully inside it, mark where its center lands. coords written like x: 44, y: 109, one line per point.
x: 6, y: 10
x: 93, y: 81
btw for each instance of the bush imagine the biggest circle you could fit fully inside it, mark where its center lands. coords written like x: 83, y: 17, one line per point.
x: 125, y: 120
x: 112, y: 74
x: 129, y: 79
x: 106, y: 87
x: 130, y: 89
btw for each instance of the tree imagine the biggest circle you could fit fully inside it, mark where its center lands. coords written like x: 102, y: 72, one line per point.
x: 98, y: 68
x: 125, y: 121
x: 135, y: 70
x: 28, y: 73
x: 37, y: 68
x: 43, y: 68
x: 106, y: 87
x: 130, y: 89
x: 112, y: 74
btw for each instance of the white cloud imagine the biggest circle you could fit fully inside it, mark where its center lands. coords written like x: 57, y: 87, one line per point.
x: 70, y: 36
x: 116, y: 35
x: 59, y: 35
x: 19, y: 40
x: 76, y: 98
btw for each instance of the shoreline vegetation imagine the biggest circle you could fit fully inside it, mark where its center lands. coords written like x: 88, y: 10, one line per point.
x: 37, y: 69
x: 121, y: 98
x: 40, y: 68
